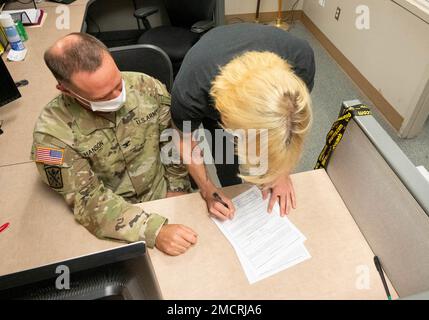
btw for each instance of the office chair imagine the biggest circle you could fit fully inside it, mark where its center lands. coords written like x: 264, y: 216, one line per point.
x: 190, y: 19
x: 147, y: 59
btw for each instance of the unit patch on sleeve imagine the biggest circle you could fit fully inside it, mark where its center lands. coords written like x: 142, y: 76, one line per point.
x: 55, y: 178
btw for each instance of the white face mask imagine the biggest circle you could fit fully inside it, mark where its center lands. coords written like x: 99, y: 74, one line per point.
x: 110, y: 105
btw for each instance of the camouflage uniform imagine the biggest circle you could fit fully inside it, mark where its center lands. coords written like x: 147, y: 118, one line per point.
x: 106, y: 164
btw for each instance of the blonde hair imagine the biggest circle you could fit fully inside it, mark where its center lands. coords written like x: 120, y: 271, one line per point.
x: 259, y: 90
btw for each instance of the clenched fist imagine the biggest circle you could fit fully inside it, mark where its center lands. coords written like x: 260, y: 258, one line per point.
x: 174, y: 239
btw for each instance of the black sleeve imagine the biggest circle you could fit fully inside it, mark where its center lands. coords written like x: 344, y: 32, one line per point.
x: 305, y: 65
x: 184, y: 115
x: 190, y: 104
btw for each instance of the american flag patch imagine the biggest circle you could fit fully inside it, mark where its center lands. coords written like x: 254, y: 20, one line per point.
x: 49, y: 155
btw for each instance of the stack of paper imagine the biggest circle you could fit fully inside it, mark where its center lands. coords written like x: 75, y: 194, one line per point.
x: 265, y: 243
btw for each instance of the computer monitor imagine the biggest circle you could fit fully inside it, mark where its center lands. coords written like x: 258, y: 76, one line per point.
x: 82, y: 269
x: 8, y: 90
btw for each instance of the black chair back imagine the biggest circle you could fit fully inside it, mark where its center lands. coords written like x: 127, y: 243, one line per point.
x: 147, y: 59
x: 184, y: 13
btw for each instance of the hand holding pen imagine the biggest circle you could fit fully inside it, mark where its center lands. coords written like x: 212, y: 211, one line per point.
x: 220, y: 205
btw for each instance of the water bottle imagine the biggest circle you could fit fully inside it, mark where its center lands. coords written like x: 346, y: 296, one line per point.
x: 8, y: 25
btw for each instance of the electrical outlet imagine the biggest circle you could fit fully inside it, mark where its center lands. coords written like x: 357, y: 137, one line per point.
x: 337, y: 14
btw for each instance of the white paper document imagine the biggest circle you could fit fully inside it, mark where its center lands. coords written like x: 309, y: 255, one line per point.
x: 264, y: 243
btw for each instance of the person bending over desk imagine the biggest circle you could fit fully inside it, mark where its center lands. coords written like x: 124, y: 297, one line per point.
x: 240, y: 77
x: 98, y: 145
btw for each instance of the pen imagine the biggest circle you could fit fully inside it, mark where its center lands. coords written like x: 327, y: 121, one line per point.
x: 219, y: 199
x: 4, y: 227
x: 383, y: 279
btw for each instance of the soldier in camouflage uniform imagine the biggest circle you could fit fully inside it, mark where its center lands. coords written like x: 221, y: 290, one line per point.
x: 103, y: 163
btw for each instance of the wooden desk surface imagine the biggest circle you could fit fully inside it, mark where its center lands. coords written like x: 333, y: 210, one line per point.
x: 42, y: 228
x: 20, y: 116
x: 211, y: 269
x: 43, y: 231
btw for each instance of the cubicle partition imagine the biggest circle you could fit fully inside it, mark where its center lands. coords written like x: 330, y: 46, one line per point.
x: 389, y: 200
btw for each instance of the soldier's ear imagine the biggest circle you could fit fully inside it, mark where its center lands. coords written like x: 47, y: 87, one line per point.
x: 63, y: 89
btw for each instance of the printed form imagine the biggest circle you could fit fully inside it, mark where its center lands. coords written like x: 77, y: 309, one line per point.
x: 265, y: 243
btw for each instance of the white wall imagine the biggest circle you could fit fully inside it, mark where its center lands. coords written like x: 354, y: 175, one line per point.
x: 249, y: 6
x: 393, y: 54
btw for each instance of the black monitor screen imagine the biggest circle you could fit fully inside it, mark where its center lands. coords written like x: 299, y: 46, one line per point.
x: 8, y: 89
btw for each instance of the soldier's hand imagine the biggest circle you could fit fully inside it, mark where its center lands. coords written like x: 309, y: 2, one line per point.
x: 174, y: 239
x: 221, y: 206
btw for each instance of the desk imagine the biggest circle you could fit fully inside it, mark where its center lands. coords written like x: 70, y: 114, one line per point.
x: 43, y: 231
x: 211, y: 269
x: 42, y: 228
x: 20, y: 116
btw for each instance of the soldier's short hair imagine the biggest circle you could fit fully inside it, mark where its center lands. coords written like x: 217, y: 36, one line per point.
x: 83, y: 53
